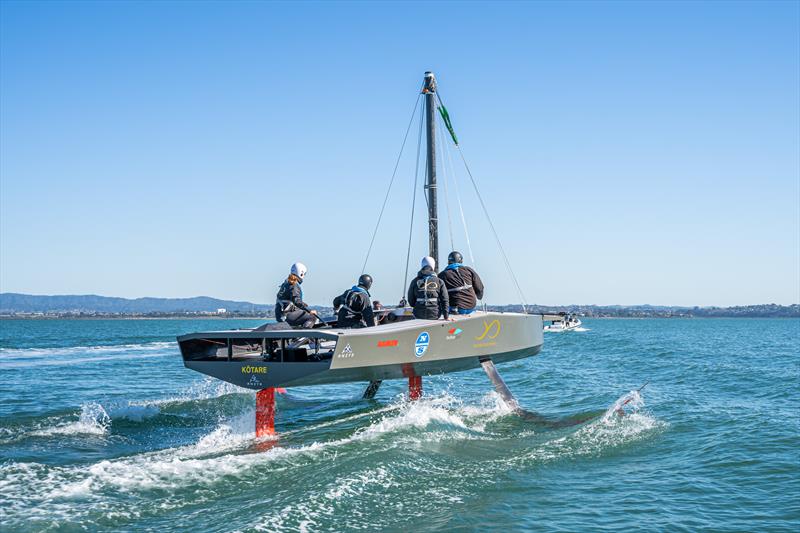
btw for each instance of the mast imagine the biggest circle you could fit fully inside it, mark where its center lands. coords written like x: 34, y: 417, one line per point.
x: 429, y: 90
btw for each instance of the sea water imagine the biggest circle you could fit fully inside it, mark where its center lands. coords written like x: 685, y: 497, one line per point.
x: 104, y: 429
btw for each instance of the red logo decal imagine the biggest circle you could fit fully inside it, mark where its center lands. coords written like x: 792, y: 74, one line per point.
x: 387, y: 344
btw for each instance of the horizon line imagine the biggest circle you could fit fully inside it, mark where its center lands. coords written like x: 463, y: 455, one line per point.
x: 323, y: 305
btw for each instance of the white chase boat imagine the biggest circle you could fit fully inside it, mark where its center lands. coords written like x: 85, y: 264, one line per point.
x: 562, y: 322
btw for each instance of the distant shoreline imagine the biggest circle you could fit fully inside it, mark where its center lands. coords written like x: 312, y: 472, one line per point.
x: 133, y: 317
x: 17, y: 305
x: 269, y: 318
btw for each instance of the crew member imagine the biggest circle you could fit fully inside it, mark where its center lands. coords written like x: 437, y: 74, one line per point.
x: 355, y: 305
x: 427, y: 294
x: 290, y: 306
x: 464, y: 285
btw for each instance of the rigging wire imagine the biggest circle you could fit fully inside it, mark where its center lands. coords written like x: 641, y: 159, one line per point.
x: 458, y: 195
x: 413, y: 206
x: 463, y: 218
x: 441, y: 144
x: 460, y: 206
x: 489, y: 219
x: 446, y: 175
x: 494, y: 231
x: 391, y: 182
x: 461, y: 210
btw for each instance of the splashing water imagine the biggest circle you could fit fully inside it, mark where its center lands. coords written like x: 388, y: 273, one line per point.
x: 93, y: 420
x: 625, y: 405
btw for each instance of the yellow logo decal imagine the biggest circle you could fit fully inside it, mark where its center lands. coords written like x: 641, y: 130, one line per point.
x: 254, y: 369
x: 494, y: 324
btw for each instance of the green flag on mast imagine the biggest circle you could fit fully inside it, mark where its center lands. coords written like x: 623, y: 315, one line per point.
x: 447, y: 123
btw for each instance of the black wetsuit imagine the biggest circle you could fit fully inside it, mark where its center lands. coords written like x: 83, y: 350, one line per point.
x: 464, y: 286
x: 428, y: 296
x: 291, y: 307
x: 355, y: 308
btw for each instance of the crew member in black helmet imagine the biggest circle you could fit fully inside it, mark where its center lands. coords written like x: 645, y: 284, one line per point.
x: 355, y: 305
x: 464, y: 285
x: 427, y: 294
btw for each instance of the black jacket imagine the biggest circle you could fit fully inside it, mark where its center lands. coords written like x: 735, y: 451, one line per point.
x: 355, y: 308
x: 464, y: 286
x: 428, y: 296
x: 290, y: 305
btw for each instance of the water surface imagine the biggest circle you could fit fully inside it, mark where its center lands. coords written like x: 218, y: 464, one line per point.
x: 104, y: 429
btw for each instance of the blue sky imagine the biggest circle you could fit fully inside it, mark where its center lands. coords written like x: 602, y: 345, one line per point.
x: 628, y: 152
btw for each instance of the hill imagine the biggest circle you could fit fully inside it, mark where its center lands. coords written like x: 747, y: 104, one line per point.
x: 90, y: 303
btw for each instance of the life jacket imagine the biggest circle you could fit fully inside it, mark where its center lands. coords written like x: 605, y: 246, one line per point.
x: 350, y: 297
x: 464, y: 286
x: 428, y: 289
x: 286, y: 297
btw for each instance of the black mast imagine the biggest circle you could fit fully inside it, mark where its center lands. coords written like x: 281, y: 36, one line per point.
x: 429, y: 90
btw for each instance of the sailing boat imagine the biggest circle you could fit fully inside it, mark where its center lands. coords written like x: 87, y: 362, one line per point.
x: 401, y: 347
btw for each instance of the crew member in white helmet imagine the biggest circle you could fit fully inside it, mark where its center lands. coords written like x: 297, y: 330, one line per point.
x: 427, y: 293
x: 290, y: 306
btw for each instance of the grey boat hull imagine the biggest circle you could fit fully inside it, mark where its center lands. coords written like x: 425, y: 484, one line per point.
x: 263, y: 358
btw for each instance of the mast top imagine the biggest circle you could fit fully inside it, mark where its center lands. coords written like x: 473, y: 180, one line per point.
x: 430, y: 83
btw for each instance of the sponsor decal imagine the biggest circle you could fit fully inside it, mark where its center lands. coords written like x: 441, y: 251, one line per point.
x: 491, y: 330
x: 255, y: 381
x: 347, y: 352
x: 453, y: 333
x: 387, y: 344
x: 254, y: 369
x: 421, y: 346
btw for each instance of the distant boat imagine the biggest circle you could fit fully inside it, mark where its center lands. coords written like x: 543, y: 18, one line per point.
x: 564, y: 322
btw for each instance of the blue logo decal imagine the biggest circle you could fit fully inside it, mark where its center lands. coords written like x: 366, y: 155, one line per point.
x: 422, y: 344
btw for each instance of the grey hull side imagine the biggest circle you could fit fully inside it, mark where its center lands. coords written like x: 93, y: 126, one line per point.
x: 260, y: 375
x: 400, y: 371
x: 393, y: 351
x: 251, y: 375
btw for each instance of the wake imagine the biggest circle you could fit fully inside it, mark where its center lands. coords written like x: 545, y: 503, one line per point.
x: 231, y: 451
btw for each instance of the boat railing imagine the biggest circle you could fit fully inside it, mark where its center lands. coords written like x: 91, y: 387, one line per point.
x: 281, y: 346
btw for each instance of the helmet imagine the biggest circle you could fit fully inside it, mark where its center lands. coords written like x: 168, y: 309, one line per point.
x: 299, y: 270
x: 365, y: 280
x: 455, y: 257
x: 428, y: 261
